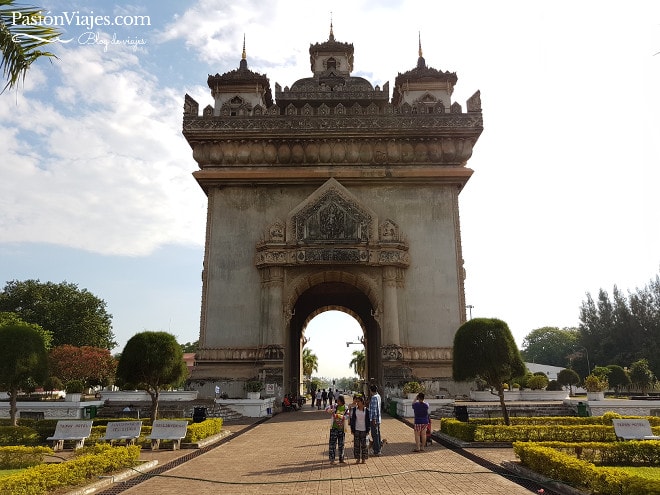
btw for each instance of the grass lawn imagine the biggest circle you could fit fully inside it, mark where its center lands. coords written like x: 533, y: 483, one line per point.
x: 650, y: 473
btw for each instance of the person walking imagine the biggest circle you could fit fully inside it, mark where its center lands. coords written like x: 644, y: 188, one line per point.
x: 374, y: 416
x: 359, y: 422
x: 331, y: 397
x: 337, y: 434
x: 319, y: 396
x: 324, y: 397
x: 421, y: 410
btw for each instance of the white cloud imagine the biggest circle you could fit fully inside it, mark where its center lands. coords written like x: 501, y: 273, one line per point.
x: 108, y: 170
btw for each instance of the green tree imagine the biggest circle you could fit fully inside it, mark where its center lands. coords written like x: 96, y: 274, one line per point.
x: 484, y: 348
x: 359, y: 363
x: 310, y: 362
x: 550, y: 345
x: 623, y: 328
x: 641, y: 376
x: 74, y: 316
x: 23, y: 361
x: 20, y: 41
x: 190, y: 346
x: 9, y: 317
x: 617, y: 377
x: 568, y: 377
x: 152, y: 361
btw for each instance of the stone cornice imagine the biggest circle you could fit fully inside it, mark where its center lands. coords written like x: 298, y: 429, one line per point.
x: 197, y: 128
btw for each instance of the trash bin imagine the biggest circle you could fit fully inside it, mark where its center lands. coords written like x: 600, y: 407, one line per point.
x: 199, y: 414
x: 461, y: 413
x: 582, y: 409
x: 393, y: 406
x: 89, y: 412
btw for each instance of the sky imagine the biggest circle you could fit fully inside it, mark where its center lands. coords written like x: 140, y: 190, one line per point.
x: 96, y: 183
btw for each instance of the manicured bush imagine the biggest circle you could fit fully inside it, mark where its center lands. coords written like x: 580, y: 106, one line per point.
x: 558, y: 429
x: 557, y: 465
x: 18, y: 435
x: 90, y: 463
x: 22, y: 457
x: 204, y: 429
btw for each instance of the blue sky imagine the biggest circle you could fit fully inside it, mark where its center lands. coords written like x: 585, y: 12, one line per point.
x: 95, y: 176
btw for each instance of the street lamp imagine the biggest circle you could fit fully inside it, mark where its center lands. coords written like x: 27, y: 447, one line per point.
x: 361, y: 342
x: 469, y: 307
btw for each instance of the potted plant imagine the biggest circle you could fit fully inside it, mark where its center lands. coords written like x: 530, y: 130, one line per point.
x: 595, y: 387
x: 253, y: 389
x: 74, y: 390
x: 411, y: 389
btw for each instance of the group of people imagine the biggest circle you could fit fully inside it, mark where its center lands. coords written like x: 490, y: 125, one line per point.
x: 324, y: 398
x: 362, y: 419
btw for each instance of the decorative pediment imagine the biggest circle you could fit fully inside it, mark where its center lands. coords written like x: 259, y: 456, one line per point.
x: 331, y: 215
x: 332, y: 226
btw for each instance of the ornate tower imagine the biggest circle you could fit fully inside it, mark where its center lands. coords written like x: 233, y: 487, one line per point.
x: 333, y: 197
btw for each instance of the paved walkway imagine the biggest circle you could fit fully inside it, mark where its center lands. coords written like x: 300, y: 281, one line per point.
x: 288, y: 454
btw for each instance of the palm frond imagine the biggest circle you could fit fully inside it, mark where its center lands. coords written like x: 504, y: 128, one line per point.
x: 20, y: 43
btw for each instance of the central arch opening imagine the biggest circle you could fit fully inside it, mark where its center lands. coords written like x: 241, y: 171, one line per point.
x: 333, y: 336
x: 329, y: 298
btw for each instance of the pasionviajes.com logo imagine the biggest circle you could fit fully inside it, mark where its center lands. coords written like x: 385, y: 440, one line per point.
x: 89, y: 22
x: 75, y: 18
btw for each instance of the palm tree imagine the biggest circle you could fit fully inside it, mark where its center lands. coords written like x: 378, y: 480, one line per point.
x: 358, y: 363
x: 310, y: 362
x: 21, y: 36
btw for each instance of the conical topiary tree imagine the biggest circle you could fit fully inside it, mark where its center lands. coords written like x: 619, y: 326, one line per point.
x: 485, y: 348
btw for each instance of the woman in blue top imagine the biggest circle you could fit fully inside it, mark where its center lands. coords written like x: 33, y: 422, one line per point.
x: 421, y: 410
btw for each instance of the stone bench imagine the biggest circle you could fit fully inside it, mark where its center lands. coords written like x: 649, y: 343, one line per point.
x: 168, y: 430
x: 633, y: 429
x: 129, y: 431
x: 77, y: 431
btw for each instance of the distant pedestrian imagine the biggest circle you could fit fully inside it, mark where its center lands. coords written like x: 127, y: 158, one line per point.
x: 319, y: 396
x: 337, y: 434
x: 421, y: 410
x: 331, y: 396
x: 360, y: 429
x: 324, y: 397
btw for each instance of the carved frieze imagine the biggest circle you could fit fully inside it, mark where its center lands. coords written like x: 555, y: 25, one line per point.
x: 270, y: 352
x: 416, y: 354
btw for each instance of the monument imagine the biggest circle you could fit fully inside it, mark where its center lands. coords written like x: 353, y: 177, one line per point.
x: 332, y: 196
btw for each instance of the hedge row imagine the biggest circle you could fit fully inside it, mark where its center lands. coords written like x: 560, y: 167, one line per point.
x: 22, y: 457
x: 92, y: 462
x: 37, y: 433
x: 559, y: 465
x: 478, y: 431
x: 605, y: 419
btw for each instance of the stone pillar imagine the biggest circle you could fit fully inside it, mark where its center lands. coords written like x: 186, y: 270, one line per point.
x: 272, y: 282
x: 390, y: 307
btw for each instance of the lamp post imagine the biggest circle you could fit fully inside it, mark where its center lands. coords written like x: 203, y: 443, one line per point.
x: 469, y: 307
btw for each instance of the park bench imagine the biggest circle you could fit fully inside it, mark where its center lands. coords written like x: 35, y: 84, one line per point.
x: 633, y: 429
x: 128, y: 431
x: 168, y: 430
x: 77, y: 431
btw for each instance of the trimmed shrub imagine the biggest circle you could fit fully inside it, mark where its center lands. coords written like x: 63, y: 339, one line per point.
x: 90, y: 463
x: 22, y: 457
x: 18, y: 435
x: 558, y: 465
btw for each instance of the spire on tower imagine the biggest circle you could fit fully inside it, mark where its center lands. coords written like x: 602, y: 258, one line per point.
x: 244, y: 55
x: 419, y: 33
x: 332, y: 35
